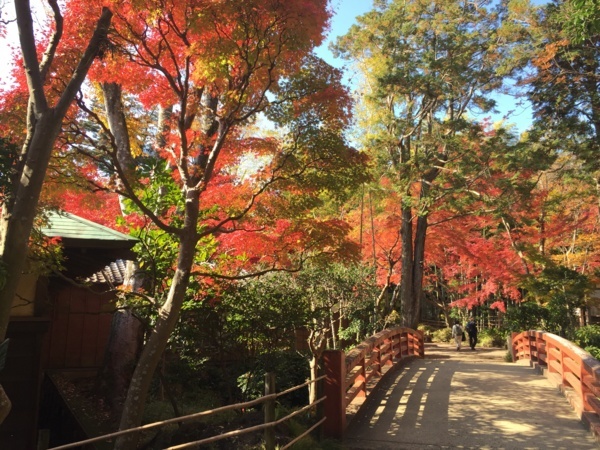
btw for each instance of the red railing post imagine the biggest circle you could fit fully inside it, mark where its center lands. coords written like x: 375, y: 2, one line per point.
x: 513, y: 346
x: 564, y: 369
x: 421, y: 342
x: 551, y: 358
x: 389, y: 353
x: 403, y: 343
x: 377, y: 367
x: 334, y: 388
x: 542, y: 348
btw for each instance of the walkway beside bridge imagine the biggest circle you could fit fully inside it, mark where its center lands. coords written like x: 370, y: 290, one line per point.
x: 466, y: 399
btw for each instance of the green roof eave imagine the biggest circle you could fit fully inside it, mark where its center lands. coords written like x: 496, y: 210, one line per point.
x: 69, y: 226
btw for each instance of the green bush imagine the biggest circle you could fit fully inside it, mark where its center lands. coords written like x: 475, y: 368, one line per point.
x: 290, y: 368
x: 491, y: 337
x: 527, y: 315
x: 427, y: 332
x: 443, y: 335
x: 594, y: 351
x: 588, y: 336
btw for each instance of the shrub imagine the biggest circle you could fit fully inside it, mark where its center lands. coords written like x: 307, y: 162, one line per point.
x: 594, y: 351
x: 588, y: 336
x: 443, y: 335
x: 525, y: 316
x: 290, y: 368
x: 491, y: 337
x: 427, y: 332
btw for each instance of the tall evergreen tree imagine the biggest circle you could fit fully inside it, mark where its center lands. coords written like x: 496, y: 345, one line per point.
x: 427, y: 66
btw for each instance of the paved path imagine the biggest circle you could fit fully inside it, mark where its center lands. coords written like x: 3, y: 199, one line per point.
x: 467, y: 399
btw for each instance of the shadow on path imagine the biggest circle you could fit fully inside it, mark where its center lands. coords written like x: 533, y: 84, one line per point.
x: 466, y: 399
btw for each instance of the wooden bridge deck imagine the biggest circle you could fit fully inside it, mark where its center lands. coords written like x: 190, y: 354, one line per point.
x: 466, y: 399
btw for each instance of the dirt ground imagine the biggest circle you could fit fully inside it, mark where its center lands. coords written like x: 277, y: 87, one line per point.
x: 442, y: 350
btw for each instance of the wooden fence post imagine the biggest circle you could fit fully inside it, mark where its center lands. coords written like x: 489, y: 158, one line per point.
x: 269, y: 410
x: 334, y: 388
x: 320, y: 407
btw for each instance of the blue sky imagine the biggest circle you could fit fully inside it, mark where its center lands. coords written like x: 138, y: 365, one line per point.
x: 345, y: 12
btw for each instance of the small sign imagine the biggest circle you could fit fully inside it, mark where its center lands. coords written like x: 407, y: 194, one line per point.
x: 3, y: 352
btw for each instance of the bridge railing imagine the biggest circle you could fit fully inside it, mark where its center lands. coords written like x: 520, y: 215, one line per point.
x: 350, y: 377
x: 572, y: 369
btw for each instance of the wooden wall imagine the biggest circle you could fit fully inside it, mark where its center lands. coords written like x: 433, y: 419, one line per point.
x: 79, y: 330
x: 21, y: 379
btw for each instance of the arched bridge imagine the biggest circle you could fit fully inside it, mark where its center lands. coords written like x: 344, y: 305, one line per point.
x: 393, y: 392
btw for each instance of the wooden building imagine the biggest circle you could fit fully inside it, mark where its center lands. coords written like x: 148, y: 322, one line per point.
x: 57, y: 324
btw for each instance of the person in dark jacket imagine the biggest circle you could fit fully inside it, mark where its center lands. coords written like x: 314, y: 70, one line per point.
x: 472, y: 332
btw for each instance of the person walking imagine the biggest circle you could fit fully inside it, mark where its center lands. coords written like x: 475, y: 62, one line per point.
x: 472, y: 331
x: 457, y: 334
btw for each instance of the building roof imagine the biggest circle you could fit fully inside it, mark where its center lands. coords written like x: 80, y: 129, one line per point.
x: 69, y: 226
x: 113, y: 274
x: 91, y: 251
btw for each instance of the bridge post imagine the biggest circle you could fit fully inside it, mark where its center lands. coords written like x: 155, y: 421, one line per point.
x: 334, y: 388
x: 421, y: 344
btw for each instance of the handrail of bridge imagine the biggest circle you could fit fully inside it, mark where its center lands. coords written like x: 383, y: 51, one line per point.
x: 572, y: 369
x: 351, y: 377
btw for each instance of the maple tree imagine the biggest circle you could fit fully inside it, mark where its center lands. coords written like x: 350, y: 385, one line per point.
x: 168, y: 125
x: 469, y: 253
x: 494, y: 258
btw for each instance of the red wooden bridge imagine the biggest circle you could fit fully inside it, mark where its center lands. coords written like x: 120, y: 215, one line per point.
x: 441, y: 398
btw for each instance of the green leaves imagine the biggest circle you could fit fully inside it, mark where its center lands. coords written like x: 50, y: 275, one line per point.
x: 582, y: 19
x: 426, y: 65
x: 560, y: 290
x: 8, y: 168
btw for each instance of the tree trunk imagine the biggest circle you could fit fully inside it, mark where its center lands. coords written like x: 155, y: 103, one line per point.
x: 413, y: 255
x: 168, y: 315
x: 317, y: 343
x: 418, y: 267
x: 406, y: 292
x: 122, y: 350
x: 17, y: 222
